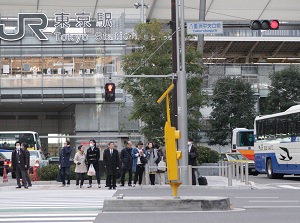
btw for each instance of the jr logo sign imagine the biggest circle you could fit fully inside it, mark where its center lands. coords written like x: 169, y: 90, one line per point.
x: 37, y: 28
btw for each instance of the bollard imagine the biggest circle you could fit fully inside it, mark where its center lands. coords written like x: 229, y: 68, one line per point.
x: 229, y: 174
x: 242, y: 171
x: 246, y: 173
x: 237, y: 177
x: 233, y: 170
x: 226, y: 168
x: 146, y: 174
x: 220, y: 170
x: 190, y: 171
x: 223, y: 169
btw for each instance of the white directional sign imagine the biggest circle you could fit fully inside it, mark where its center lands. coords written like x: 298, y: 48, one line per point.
x: 205, y: 28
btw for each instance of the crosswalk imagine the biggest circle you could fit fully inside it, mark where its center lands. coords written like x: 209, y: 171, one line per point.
x: 278, y: 186
x: 52, y: 205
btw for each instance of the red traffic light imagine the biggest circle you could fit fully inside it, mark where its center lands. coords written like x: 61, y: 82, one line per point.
x: 274, y: 24
x: 264, y: 25
x: 110, y: 87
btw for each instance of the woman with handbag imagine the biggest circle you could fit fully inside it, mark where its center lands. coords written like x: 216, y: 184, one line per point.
x: 161, y: 166
x: 139, y: 161
x: 152, y: 157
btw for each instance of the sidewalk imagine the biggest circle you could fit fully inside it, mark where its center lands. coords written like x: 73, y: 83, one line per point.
x: 214, y: 182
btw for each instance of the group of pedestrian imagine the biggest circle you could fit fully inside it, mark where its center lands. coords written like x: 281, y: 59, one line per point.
x: 131, y: 160
x: 134, y: 160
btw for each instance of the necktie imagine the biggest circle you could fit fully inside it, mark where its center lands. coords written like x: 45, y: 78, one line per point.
x: 111, y: 152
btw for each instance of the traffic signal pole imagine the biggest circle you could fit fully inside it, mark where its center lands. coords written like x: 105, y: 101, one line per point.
x: 182, y: 104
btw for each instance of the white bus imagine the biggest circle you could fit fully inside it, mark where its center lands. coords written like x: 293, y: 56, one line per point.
x: 8, y: 139
x: 243, y: 142
x: 277, y: 143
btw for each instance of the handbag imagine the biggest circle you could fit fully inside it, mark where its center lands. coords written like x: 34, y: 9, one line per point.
x: 143, y: 160
x: 91, y: 171
x: 161, y: 166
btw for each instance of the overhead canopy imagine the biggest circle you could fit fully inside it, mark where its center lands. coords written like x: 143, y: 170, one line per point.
x: 161, y: 9
x: 237, y: 50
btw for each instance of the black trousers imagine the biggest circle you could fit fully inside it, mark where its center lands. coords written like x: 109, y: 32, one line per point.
x: 111, y: 180
x: 152, y: 178
x: 21, y: 173
x: 138, y: 176
x: 65, y: 172
x: 27, y: 177
x: 194, y: 176
x: 123, y: 176
x: 79, y: 177
x: 96, y: 167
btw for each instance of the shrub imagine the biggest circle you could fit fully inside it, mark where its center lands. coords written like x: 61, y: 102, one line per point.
x: 207, y: 155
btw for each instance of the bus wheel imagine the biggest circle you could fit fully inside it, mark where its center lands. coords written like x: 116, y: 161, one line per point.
x: 270, y: 173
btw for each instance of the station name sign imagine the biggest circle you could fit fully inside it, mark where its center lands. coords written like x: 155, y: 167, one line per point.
x: 213, y: 27
x: 39, y: 22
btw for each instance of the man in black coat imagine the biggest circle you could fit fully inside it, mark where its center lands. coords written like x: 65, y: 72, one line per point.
x: 92, y: 157
x: 192, y: 159
x: 111, y: 163
x: 19, y: 163
x: 126, y: 159
x: 64, y: 163
x: 24, y: 146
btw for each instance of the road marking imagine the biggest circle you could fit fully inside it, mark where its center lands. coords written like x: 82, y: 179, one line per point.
x: 49, y: 215
x: 248, y: 207
x: 289, y: 187
x: 257, y: 197
x: 168, y: 212
x: 49, y: 219
x: 279, y: 201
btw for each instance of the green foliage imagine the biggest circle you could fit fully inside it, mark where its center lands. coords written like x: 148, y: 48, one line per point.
x: 50, y: 172
x: 284, y: 90
x: 233, y: 107
x: 207, y: 155
x: 154, y: 57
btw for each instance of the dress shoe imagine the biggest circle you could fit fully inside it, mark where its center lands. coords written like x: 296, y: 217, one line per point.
x: 29, y: 185
x: 99, y: 186
x: 109, y: 188
x: 129, y: 185
x: 114, y: 188
x: 89, y: 186
x: 18, y: 187
x: 26, y: 187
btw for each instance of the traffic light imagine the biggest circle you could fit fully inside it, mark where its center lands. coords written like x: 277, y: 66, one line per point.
x: 110, y: 95
x: 172, y: 155
x: 264, y: 24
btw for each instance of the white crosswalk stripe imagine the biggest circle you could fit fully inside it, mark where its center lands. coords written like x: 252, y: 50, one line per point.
x: 52, y: 205
x: 289, y: 187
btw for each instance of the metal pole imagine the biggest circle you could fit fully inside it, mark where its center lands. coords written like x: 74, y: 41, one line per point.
x: 142, y: 11
x: 246, y: 173
x: 242, y: 172
x: 174, y: 61
x: 202, y: 9
x: 220, y: 170
x: 146, y: 174
x: 237, y: 168
x: 229, y: 174
x: 190, y: 171
x: 182, y: 103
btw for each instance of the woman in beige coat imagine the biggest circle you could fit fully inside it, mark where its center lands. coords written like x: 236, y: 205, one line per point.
x: 80, y: 168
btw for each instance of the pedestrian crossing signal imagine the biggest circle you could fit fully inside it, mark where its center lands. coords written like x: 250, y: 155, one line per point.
x: 110, y: 94
x: 264, y: 24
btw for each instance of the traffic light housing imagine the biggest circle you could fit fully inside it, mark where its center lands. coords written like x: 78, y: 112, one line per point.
x: 110, y: 94
x: 264, y: 24
x: 172, y: 155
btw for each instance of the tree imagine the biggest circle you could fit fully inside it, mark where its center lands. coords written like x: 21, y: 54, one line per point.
x: 153, y: 57
x: 284, y: 90
x: 233, y: 107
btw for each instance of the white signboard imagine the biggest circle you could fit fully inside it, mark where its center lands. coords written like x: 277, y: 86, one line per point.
x: 205, y: 28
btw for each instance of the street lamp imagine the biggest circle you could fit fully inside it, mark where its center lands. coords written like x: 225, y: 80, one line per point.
x: 141, y: 5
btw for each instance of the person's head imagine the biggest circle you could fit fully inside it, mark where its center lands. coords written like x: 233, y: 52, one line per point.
x: 129, y: 144
x: 111, y: 145
x: 24, y: 145
x: 92, y: 143
x: 67, y: 143
x: 156, y: 146
x: 80, y: 148
x: 18, y: 145
x: 190, y: 141
x: 140, y: 145
x: 150, y: 145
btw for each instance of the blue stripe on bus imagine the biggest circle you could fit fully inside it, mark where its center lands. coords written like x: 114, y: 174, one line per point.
x: 261, y: 164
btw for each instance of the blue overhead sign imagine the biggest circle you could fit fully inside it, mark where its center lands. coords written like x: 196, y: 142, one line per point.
x: 205, y: 28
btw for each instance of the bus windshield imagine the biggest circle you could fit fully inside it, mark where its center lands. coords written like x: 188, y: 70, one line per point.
x: 8, y: 140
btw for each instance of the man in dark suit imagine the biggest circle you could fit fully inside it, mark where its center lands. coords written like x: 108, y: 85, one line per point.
x: 111, y: 163
x: 92, y: 157
x: 64, y: 163
x: 19, y: 162
x: 127, y: 161
x: 192, y: 159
